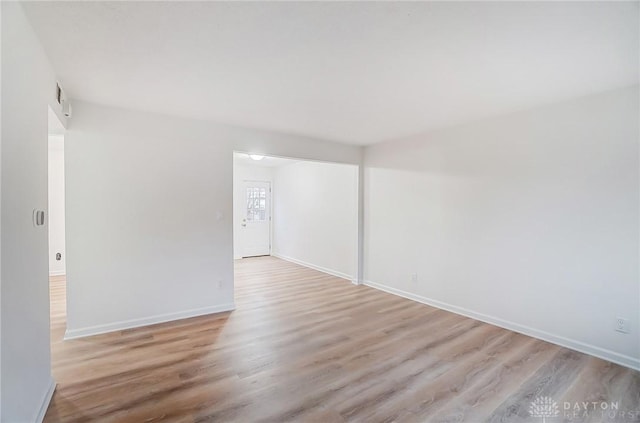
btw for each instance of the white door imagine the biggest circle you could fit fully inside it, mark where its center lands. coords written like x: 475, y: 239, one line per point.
x: 255, y: 227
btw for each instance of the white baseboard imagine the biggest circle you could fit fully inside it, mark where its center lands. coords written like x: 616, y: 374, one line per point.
x: 46, y: 399
x: 145, y: 321
x: 316, y: 267
x: 614, y: 357
x: 57, y: 273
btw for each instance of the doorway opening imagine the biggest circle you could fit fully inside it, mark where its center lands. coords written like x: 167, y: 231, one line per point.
x: 56, y: 227
x: 301, y: 211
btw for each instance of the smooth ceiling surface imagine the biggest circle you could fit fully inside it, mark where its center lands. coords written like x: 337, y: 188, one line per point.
x: 353, y: 72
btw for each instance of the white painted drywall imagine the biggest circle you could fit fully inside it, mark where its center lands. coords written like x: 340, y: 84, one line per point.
x: 56, y: 205
x: 243, y: 173
x: 28, y: 87
x: 529, y: 220
x: 315, y: 216
x: 149, y: 213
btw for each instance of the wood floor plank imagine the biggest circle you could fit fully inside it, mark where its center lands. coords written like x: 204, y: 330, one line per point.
x: 304, y: 346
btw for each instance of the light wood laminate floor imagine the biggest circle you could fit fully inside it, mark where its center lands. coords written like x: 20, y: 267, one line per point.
x: 308, y: 347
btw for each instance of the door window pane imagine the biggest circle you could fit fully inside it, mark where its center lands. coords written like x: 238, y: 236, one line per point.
x: 256, y: 204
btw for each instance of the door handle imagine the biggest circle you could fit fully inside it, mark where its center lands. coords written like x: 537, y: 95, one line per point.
x: 244, y: 225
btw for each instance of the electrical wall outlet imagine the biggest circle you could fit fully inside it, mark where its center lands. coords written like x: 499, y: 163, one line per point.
x: 622, y: 324
x: 413, y: 277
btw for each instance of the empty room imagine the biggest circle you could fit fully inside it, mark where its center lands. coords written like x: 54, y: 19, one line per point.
x: 320, y: 211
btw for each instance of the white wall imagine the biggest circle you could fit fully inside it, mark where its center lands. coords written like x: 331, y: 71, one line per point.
x: 28, y: 87
x: 315, y: 216
x: 243, y: 173
x: 56, y: 205
x: 149, y: 213
x: 528, y: 220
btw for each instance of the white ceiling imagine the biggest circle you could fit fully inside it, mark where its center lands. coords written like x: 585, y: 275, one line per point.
x: 354, y: 72
x: 267, y: 161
